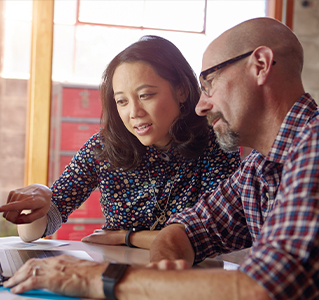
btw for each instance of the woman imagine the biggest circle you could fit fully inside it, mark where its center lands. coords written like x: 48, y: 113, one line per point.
x: 152, y: 158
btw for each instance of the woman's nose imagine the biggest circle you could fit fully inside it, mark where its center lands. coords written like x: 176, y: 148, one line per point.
x: 204, y: 105
x: 137, y: 110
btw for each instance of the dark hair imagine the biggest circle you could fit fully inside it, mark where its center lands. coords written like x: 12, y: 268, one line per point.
x: 189, y: 133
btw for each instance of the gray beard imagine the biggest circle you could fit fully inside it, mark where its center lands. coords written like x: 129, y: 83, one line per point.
x: 228, y: 141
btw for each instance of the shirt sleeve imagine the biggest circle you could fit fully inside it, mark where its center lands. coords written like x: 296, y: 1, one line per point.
x: 78, y: 180
x: 285, y: 258
x: 216, y: 224
x: 54, y: 220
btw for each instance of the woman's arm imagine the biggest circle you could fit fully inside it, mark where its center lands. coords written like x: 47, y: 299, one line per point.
x: 140, y: 239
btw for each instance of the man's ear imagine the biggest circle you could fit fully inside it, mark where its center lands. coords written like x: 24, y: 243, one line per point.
x: 263, y: 60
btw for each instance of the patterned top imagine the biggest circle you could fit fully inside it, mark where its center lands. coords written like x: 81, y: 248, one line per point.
x: 271, y: 203
x: 162, y: 184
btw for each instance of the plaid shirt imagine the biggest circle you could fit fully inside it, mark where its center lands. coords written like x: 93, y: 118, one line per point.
x: 272, y: 204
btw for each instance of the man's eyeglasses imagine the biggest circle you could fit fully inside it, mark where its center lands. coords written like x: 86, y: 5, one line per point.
x: 207, y: 84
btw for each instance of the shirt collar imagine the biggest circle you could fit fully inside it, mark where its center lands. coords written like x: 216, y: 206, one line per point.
x: 299, y: 115
x: 152, y: 154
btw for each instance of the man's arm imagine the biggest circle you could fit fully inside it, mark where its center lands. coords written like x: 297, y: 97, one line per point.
x: 79, y: 278
x: 145, y: 284
x: 172, y: 243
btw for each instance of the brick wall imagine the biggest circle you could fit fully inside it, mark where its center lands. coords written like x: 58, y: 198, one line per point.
x: 306, y: 27
x: 13, y: 107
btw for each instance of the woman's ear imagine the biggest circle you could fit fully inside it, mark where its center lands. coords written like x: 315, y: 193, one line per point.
x: 182, y: 94
x: 263, y: 60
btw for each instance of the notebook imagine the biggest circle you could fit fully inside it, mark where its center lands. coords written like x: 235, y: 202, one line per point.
x: 12, y: 259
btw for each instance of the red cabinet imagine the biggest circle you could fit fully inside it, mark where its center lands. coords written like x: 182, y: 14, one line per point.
x: 75, y: 232
x: 90, y: 208
x: 74, y: 135
x: 75, y: 117
x: 81, y: 102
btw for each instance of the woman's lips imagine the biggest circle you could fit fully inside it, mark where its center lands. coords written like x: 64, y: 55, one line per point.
x: 142, y: 128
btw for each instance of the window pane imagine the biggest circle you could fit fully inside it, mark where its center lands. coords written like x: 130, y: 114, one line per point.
x: 177, y: 15
x: 63, y: 52
x: 18, y: 10
x: 171, y: 15
x: 17, y: 49
x: 65, y: 11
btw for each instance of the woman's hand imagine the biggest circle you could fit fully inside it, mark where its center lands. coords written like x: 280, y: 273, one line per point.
x: 63, y: 274
x: 27, y: 204
x: 106, y: 237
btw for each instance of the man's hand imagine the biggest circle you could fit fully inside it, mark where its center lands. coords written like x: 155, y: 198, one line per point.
x: 166, y: 264
x: 172, y: 244
x: 27, y: 204
x: 63, y: 274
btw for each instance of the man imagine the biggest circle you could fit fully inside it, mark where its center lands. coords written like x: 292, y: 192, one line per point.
x: 253, y: 96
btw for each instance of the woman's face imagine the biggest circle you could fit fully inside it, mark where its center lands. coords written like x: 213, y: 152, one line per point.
x: 145, y: 102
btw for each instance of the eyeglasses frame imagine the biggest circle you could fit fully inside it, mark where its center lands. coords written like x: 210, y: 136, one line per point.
x: 224, y: 64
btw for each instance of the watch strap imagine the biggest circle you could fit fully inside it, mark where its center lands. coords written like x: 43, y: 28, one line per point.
x: 111, y: 276
x: 128, y: 236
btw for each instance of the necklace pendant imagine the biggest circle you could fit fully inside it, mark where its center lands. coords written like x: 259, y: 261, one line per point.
x: 162, y: 218
x: 154, y: 224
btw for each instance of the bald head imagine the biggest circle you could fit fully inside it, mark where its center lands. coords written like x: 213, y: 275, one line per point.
x: 253, y: 33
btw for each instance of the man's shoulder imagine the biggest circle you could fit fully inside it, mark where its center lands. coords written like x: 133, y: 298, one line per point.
x: 306, y: 142
x: 310, y: 130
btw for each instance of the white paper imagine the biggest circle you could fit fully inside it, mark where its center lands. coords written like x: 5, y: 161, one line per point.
x: 5, y: 295
x: 15, y: 242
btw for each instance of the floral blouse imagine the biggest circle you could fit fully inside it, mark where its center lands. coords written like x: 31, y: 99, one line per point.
x: 162, y: 185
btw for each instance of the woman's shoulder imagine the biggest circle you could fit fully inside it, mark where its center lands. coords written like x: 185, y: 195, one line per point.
x: 212, y: 142
x: 94, y: 141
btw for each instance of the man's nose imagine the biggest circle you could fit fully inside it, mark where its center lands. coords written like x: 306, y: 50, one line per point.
x: 204, y: 105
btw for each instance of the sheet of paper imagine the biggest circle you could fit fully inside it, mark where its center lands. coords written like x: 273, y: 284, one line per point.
x: 5, y: 295
x: 230, y: 266
x: 14, y: 242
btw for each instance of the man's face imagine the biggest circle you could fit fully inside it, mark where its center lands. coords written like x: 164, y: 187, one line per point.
x: 226, y: 138
x: 226, y: 99
x: 217, y: 104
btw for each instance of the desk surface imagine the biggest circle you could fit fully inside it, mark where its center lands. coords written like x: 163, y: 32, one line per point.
x: 131, y: 256
x: 135, y: 256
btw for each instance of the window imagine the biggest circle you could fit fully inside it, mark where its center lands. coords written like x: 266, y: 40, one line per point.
x: 188, y: 16
x: 88, y: 34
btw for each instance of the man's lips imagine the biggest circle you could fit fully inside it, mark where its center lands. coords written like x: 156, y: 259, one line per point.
x: 215, y: 121
x: 213, y: 118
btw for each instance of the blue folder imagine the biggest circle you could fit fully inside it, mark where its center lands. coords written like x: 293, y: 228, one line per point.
x: 42, y: 294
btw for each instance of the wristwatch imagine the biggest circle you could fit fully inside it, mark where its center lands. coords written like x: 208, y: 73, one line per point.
x: 110, y: 277
x: 128, y: 235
